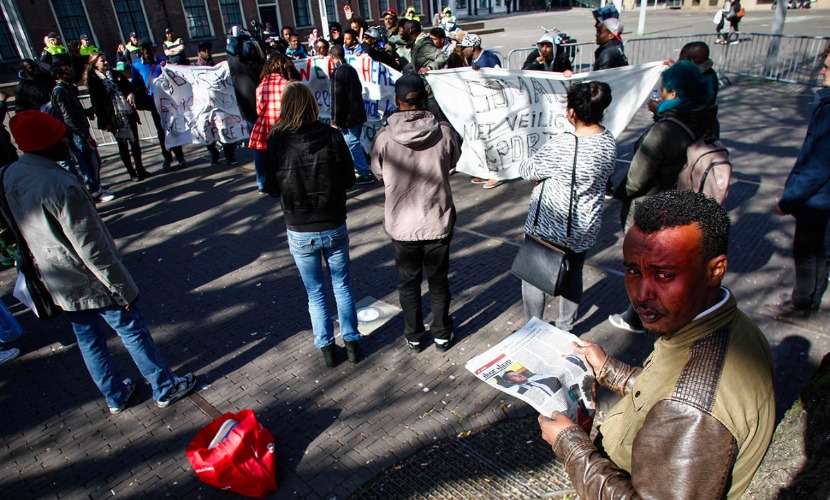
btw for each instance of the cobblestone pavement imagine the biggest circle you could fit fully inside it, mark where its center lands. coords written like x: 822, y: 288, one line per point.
x: 225, y: 301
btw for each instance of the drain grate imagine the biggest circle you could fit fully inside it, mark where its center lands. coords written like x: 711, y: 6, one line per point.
x: 506, y: 460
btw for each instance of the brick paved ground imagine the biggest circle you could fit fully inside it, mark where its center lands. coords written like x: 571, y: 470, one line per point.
x: 225, y: 301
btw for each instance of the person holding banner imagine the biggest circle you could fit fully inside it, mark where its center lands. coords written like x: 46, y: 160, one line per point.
x: 275, y: 77
x: 571, y: 170
x: 309, y: 168
x: 348, y: 113
x: 146, y: 69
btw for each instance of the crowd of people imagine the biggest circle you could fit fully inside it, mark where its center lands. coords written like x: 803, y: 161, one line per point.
x: 698, y: 407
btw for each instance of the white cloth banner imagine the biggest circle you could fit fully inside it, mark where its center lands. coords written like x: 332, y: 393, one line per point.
x: 378, y: 89
x: 505, y: 116
x: 197, y: 105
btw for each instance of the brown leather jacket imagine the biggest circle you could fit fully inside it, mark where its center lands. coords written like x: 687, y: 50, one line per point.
x: 695, y: 422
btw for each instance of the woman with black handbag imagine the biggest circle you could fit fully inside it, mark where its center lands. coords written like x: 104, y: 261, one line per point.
x: 571, y: 170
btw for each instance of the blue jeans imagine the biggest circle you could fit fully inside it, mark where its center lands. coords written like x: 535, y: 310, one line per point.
x: 352, y: 137
x: 88, y: 161
x: 309, y: 250
x: 135, y: 335
x: 260, y: 156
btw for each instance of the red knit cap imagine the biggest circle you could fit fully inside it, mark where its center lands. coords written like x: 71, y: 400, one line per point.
x: 35, y: 130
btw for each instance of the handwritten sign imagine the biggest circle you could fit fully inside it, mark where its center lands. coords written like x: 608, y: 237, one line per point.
x: 197, y: 104
x: 505, y: 116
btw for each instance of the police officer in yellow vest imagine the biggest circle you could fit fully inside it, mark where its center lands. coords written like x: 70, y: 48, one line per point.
x: 174, y: 48
x: 53, y: 47
x: 132, y: 47
x: 87, y: 48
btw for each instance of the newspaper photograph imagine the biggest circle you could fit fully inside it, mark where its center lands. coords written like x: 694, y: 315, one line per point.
x: 538, y: 365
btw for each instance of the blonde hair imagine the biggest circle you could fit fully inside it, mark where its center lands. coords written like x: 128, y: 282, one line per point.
x: 297, y: 109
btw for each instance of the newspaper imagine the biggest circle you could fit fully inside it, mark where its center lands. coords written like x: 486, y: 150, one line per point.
x: 537, y: 364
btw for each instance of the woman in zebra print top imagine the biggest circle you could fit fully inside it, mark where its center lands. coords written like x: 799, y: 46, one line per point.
x: 594, y: 150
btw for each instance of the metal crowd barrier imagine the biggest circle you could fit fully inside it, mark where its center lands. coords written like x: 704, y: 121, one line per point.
x: 783, y: 58
x: 146, y: 129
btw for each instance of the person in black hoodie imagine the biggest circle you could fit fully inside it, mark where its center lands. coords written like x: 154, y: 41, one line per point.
x: 309, y: 168
x: 348, y: 113
x: 34, y: 89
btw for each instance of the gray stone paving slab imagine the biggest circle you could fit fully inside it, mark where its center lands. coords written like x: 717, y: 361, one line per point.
x: 224, y: 300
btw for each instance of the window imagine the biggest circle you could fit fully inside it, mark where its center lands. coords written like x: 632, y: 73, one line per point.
x: 231, y: 14
x: 331, y: 10
x: 196, y: 16
x: 302, y: 14
x: 8, y: 49
x: 363, y: 5
x: 131, y: 18
x: 72, y: 19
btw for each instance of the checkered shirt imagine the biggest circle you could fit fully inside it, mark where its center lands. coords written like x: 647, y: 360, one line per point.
x: 268, y: 99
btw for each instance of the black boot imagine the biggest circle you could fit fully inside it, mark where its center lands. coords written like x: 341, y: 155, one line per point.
x: 353, y: 351
x: 328, y: 355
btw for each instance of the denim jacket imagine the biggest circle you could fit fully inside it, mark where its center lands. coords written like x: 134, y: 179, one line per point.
x: 74, y: 252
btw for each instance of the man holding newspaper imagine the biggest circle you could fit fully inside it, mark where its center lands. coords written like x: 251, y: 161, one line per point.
x: 696, y: 420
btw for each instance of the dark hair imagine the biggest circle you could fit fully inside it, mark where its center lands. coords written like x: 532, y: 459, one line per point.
x: 323, y: 41
x: 412, y: 26
x: 589, y: 101
x: 360, y: 22
x: 671, y: 209
x: 289, y: 28
x: 350, y: 32
x: 32, y: 68
x: 276, y: 63
x: 337, y: 51
x: 686, y: 80
x: 439, y: 32
x: 697, y: 52
x: 335, y: 24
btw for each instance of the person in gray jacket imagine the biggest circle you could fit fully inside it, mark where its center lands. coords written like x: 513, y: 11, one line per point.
x: 413, y: 156
x: 79, y: 264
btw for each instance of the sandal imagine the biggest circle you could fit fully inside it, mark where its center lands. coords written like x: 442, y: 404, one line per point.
x: 490, y: 184
x: 477, y: 180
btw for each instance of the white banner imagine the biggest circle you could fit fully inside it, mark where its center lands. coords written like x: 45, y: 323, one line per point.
x: 197, y: 104
x: 378, y: 89
x: 505, y: 116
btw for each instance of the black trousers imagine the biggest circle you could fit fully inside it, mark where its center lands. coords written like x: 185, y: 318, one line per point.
x: 411, y: 259
x: 160, y: 131
x: 810, y: 255
x: 127, y: 148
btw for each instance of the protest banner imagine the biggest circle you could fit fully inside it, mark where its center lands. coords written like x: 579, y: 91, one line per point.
x: 505, y: 116
x: 378, y: 89
x: 197, y: 104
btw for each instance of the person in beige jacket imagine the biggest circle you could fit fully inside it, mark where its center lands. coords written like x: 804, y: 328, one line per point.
x: 413, y: 156
x: 79, y: 264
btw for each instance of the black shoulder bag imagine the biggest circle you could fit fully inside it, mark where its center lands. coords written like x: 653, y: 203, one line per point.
x: 544, y: 264
x: 44, y: 306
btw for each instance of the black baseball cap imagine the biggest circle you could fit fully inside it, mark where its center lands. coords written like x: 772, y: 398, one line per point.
x: 133, y: 34
x: 52, y: 34
x: 410, y: 89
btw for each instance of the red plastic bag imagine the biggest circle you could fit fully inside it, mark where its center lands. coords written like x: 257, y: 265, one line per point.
x: 242, y: 462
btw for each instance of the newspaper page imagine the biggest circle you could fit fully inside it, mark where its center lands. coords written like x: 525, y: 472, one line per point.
x: 537, y: 364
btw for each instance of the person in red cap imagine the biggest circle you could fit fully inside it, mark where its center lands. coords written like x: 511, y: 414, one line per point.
x: 79, y: 263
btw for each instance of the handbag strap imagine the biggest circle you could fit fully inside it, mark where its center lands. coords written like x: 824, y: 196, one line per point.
x: 570, y: 202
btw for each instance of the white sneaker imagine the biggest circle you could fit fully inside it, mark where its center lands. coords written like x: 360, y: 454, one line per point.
x: 104, y: 196
x: 7, y: 355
